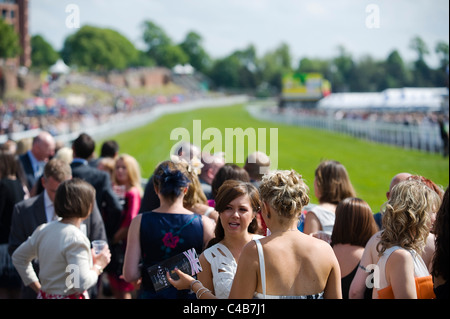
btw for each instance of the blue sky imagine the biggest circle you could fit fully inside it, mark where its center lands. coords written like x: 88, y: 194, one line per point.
x: 310, y: 28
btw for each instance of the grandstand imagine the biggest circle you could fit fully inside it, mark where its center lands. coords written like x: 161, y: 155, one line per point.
x: 186, y: 77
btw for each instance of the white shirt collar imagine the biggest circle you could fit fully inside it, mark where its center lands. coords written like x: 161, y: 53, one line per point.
x: 49, y: 208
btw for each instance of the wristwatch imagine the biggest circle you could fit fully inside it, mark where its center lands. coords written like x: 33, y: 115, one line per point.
x: 100, y: 269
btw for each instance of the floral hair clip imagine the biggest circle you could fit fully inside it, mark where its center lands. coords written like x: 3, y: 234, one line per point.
x: 193, y: 166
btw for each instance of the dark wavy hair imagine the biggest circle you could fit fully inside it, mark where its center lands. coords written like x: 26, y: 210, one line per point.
x: 227, y: 172
x: 169, y: 179
x: 229, y: 191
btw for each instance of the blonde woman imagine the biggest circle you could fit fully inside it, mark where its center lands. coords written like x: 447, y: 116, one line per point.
x: 406, y: 223
x: 127, y: 185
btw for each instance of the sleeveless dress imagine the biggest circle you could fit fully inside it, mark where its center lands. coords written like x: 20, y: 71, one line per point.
x: 223, y: 268
x: 164, y: 235
x: 262, y: 269
x: 326, y: 218
x: 423, y: 279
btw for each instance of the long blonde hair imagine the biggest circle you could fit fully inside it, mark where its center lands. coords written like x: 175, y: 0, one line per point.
x: 133, y: 169
x: 406, y: 216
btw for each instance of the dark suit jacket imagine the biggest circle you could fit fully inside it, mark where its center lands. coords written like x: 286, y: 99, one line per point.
x: 107, y: 200
x: 27, y: 169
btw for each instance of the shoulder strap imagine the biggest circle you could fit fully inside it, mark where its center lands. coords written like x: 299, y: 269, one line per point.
x: 262, y: 267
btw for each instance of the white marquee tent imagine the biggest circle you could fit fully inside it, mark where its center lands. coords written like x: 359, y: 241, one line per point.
x: 432, y: 99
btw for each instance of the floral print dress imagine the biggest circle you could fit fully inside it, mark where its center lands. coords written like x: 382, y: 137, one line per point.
x: 164, y: 235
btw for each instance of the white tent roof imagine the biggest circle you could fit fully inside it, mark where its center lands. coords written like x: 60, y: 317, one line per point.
x: 404, y: 98
x: 59, y: 67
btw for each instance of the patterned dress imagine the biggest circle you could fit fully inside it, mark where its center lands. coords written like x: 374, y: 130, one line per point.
x: 164, y: 235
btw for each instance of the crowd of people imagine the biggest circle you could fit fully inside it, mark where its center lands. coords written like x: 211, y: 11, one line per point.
x: 62, y: 113
x: 255, y: 232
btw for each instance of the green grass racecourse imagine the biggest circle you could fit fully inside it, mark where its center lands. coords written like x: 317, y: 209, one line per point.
x: 370, y: 165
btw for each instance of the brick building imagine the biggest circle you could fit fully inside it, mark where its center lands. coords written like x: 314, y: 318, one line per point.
x: 15, y: 12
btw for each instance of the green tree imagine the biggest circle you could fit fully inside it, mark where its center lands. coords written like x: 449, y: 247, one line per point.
x: 422, y: 74
x: 274, y: 64
x: 160, y: 47
x: 397, y: 74
x: 99, y: 49
x: 440, y: 77
x: 198, y: 58
x: 442, y: 51
x: 42, y: 53
x: 225, y: 72
x: 343, y: 66
x: 367, y: 75
x: 9, y: 41
x: 417, y: 44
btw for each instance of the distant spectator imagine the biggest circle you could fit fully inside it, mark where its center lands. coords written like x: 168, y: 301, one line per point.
x: 34, y: 160
x: 65, y: 154
x: 9, y: 146
x: 127, y: 186
x: 211, y: 165
x: 394, y: 181
x: 108, y: 203
x: 227, y: 172
x: 24, y: 145
x: 109, y: 149
x: 353, y: 227
x: 11, y: 192
x: 256, y: 165
x: 331, y: 185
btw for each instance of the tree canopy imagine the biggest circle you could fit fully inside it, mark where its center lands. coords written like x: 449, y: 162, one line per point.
x: 42, y: 53
x: 95, y: 48
x: 9, y: 41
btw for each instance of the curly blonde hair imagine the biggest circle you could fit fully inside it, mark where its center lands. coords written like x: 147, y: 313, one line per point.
x: 285, y: 192
x: 406, y: 216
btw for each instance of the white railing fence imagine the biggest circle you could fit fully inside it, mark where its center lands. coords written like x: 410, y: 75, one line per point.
x: 424, y: 137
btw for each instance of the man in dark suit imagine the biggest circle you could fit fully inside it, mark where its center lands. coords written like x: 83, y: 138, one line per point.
x: 30, y: 213
x: 83, y: 147
x: 33, y: 161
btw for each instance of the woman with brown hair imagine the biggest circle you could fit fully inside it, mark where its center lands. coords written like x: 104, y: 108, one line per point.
x: 331, y: 185
x: 353, y: 227
x: 237, y: 203
x: 308, y: 268
x: 68, y: 266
